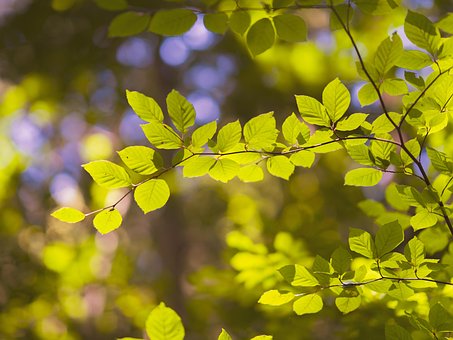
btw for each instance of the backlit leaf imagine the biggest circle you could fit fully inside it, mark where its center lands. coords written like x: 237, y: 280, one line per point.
x: 224, y: 335
x: 164, y: 324
x: 388, y: 237
x: 216, y: 22
x: 367, y: 95
x: 108, y: 174
x: 197, y: 167
x: 224, y: 170
x: 152, y: 195
x: 336, y: 99
x: 422, y: 32
x: 423, y: 219
x: 280, y: 166
x: 141, y: 159
x: 203, y: 134
x: 181, y: 111
x: 308, y: 304
x: 145, y: 107
x: 363, y: 177
x: 361, y: 242
x: 348, y: 301
x: 260, y: 131
x: 239, y: 21
x: 303, y: 158
x: 275, y: 298
x: 229, y: 136
x: 250, y: 173
x: 162, y: 136
x: 172, y: 22
x: 298, y: 276
x: 107, y: 220
x: 351, y: 122
x: 312, y: 111
x: 69, y: 215
x: 388, y: 53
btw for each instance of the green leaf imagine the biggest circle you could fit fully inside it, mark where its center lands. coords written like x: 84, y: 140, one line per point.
x: 172, y: 22
x: 348, y: 301
x: 107, y: 174
x: 112, y: 5
x: 69, y: 215
x: 164, y: 324
x: 203, y: 134
x: 382, y: 152
x: 291, y: 129
x: 280, y: 166
x: 128, y: 23
x: 376, y: 7
x: 388, y: 53
x: 261, y: 36
x: 303, y: 158
x: 262, y: 337
x: 367, y: 95
x: 423, y: 219
x: 414, y: 60
x: 336, y: 99
x: 394, y: 87
x: 250, y: 173
x: 229, y: 136
x: 308, y: 304
x: 260, y: 132
x: 414, y: 148
x: 152, y: 195
x: 363, y: 177
x: 341, y: 260
x: 440, y: 319
x: 414, y: 251
x: 400, y: 291
x: 388, y: 237
x: 395, y: 332
x: 440, y: 161
x: 107, y: 220
x: 422, y: 32
x: 275, y: 298
x: 216, y: 22
x: 446, y: 23
x: 197, y: 167
x: 361, y: 154
x: 382, y: 124
x: 290, y: 27
x: 145, y: 107
x: 180, y: 110
x: 162, y: 136
x: 224, y: 335
x: 361, y: 242
x: 298, y: 276
x: 312, y: 111
x: 351, y: 122
x: 224, y: 170
x: 141, y: 159
x: 239, y: 21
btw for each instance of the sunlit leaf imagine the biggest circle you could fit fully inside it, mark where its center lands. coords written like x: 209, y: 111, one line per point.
x: 108, y: 174
x: 224, y: 170
x: 414, y: 251
x: 145, y: 107
x: 361, y: 242
x: 388, y: 54
x: 172, y: 22
x: 152, y: 195
x: 351, y: 122
x: 107, y: 220
x: 303, y: 158
x: 181, y: 111
x: 308, y: 304
x: 336, y: 99
x: 141, y: 159
x: 367, y: 95
x: 250, y: 173
x: 164, y: 324
x: 69, y: 215
x: 348, y: 301
x: 275, y: 298
x: 162, y: 136
x: 423, y: 219
x: 298, y: 276
x: 363, y: 177
x: 229, y: 136
x: 388, y: 237
x: 420, y: 30
x: 341, y: 260
x: 312, y: 111
x: 203, y: 134
x: 260, y: 131
x: 224, y: 335
x: 280, y: 166
x: 197, y: 167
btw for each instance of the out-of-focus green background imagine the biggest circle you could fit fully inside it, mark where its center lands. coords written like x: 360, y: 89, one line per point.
x: 207, y: 253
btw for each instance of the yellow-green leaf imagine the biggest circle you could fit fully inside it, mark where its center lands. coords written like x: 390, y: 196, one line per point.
x: 250, y: 173
x: 107, y: 220
x: 128, y: 23
x: 261, y: 36
x: 164, y: 323
x: 172, y: 22
x: 363, y: 177
x: 152, y: 195
x: 280, y: 166
x: 336, y: 99
x: 290, y: 27
x: 275, y: 298
x: 145, y: 107
x: 181, y: 111
x: 308, y: 304
x: 108, y: 174
x: 162, y: 136
x: 69, y: 215
x: 224, y: 170
x: 303, y: 158
x: 141, y: 159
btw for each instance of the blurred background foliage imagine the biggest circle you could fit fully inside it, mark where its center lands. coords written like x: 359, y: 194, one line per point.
x: 213, y: 250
